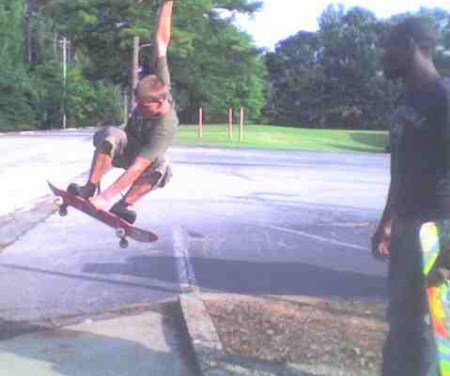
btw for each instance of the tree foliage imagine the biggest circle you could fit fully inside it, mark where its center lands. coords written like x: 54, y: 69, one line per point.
x: 213, y: 64
x: 15, y: 90
x: 328, y: 78
x: 332, y: 77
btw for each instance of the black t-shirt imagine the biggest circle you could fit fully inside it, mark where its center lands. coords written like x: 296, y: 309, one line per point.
x: 420, y: 153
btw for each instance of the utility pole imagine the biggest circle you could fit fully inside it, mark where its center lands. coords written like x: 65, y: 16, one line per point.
x: 134, y: 72
x: 64, y: 44
x: 134, y: 79
x: 28, y: 36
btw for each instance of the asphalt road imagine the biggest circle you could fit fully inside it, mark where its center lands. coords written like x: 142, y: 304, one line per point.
x: 237, y: 221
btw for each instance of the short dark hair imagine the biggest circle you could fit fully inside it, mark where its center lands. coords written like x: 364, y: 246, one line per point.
x: 151, y: 88
x: 416, y: 29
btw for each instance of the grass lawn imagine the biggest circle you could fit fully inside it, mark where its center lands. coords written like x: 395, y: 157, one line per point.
x: 284, y: 138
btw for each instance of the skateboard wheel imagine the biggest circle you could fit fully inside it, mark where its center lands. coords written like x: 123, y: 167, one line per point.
x: 120, y: 233
x: 63, y: 211
x: 123, y: 243
x: 59, y: 201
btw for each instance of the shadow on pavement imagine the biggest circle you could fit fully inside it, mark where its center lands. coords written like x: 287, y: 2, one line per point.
x: 377, y: 140
x: 70, y: 353
x: 362, y: 149
x: 10, y: 329
x: 159, y: 273
x: 247, y: 277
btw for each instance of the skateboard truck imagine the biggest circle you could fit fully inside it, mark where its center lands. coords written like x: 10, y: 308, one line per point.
x: 121, y: 234
x: 62, y: 207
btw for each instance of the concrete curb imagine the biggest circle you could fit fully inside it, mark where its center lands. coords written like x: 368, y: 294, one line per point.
x: 214, y: 360
x: 15, y: 225
x: 209, y: 352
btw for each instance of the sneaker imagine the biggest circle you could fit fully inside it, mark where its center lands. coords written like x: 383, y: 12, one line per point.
x: 120, y: 209
x: 84, y: 191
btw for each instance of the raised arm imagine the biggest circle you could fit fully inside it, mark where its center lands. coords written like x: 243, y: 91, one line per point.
x: 163, y: 30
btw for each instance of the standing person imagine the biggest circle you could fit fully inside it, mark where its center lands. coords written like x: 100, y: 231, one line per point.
x: 141, y: 147
x: 419, y: 191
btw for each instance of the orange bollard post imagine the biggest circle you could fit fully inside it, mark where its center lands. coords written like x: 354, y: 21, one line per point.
x: 200, y: 122
x: 230, y: 123
x: 241, y: 125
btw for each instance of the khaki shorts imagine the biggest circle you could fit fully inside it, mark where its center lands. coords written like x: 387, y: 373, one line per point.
x: 115, y: 141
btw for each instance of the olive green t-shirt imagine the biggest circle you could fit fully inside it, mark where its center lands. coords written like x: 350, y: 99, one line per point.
x: 150, y: 138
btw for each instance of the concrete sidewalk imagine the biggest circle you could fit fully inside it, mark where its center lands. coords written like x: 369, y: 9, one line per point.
x: 145, y: 342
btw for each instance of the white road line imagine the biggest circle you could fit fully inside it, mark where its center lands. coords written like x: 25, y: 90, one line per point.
x: 293, y: 231
x: 316, y: 237
x: 181, y: 249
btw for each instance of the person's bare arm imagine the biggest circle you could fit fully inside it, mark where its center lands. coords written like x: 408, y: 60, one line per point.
x: 381, y: 240
x: 163, y: 31
x: 103, y: 200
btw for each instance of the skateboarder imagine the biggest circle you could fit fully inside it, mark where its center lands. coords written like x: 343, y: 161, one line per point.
x: 141, y: 147
x: 419, y: 191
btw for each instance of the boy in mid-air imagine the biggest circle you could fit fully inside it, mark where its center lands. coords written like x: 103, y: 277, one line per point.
x: 141, y: 147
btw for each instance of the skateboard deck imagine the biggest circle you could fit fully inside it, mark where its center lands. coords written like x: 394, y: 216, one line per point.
x: 435, y: 243
x: 123, y: 229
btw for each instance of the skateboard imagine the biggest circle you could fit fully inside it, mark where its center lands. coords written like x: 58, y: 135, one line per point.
x: 435, y: 245
x: 123, y: 229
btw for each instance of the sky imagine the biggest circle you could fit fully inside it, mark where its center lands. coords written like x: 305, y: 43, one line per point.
x: 280, y: 19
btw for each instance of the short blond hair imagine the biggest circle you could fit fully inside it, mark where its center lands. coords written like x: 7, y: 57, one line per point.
x: 151, y: 88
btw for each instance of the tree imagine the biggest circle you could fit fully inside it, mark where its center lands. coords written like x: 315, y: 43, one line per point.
x: 350, y: 57
x: 213, y: 64
x: 219, y: 69
x: 293, y: 89
x: 331, y: 78
x: 15, y: 90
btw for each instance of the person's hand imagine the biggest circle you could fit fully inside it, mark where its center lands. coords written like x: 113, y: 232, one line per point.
x: 381, y: 242
x: 100, y: 202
